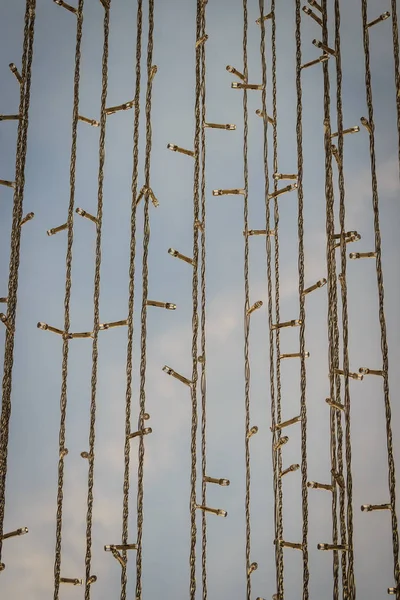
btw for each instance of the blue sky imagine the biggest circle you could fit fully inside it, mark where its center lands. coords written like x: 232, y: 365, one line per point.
x: 33, y: 455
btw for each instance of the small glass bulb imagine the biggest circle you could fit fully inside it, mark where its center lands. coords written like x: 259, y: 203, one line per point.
x: 312, y: 14
x: 57, y: 229
x: 92, y: 579
x: 372, y: 507
x: 15, y: 72
x: 252, y: 432
x: 381, y: 18
x: 237, y: 85
x: 324, y: 47
x: 6, y: 183
x: 264, y: 18
x: 113, y: 109
x: 173, y: 373
x: 177, y: 254
x: 284, y: 424
x: 355, y: 255
x: 227, y: 126
x: 235, y: 191
x: 140, y: 433
x: 175, y: 148
x: 254, y: 307
x: 319, y: 486
x: 91, y: 122
x: 66, y: 6
x: 331, y: 546
x: 71, y: 581
x: 293, y: 323
x: 28, y: 217
x: 216, y: 511
x: 367, y: 125
x: 83, y: 213
x: 236, y: 72
x: 316, y: 286
x: 201, y: 41
x: 334, y: 404
x: 261, y: 113
x: 288, y: 188
x: 281, y: 442
x: 315, y: 4
x: 321, y: 59
x: 253, y: 567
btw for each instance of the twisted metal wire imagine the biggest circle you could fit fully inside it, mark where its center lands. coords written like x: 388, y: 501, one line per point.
x: 96, y: 298
x: 145, y: 287
x: 67, y: 298
x: 345, y: 328
x: 15, y: 242
x: 278, y: 466
x: 302, y: 312
x: 333, y: 331
x: 276, y: 454
x: 203, y: 309
x: 195, y: 302
x: 246, y: 301
x: 131, y: 300
x: 382, y: 318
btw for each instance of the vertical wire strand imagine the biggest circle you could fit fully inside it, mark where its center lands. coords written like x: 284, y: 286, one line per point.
x: 67, y: 298
x: 131, y: 300
x: 302, y: 312
x: 345, y: 328
x: 96, y: 298
x: 278, y: 466
x: 145, y: 286
x: 203, y: 308
x: 275, y: 434
x: 246, y: 301
x: 381, y: 298
x: 15, y: 243
x: 195, y: 315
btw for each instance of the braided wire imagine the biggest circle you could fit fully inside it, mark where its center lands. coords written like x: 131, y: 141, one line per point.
x: 195, y: 302
x: 132, y: 254
x: 382, y: 318
x: 302, y: 312
x: 345, y: 329
x: 276, y: 454
x: 96, y: 298
x: 68, y: 285
x: 203, y: 308
x: 278, y: 466
x: 333, y: 332
x: 15, y: 242
x: 145, y: 286
x: 246, y: 302
x: 396, y: 57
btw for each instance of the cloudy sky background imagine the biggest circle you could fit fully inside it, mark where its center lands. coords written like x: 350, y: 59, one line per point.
x: 33, y: 455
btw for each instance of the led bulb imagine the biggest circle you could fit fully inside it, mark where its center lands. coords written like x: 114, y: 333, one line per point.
x: 254, y: 307
x: 16, y: 533
x: 236, y: 72
x: 201, y: 41
x: 227, y: 126
x: 6, y: 183
x: 355, y: 129
x: 111, y: 547
x: 293, y: 545
x: 57, y: 229
x: 252, y: 432
x: 235, y: 191
x: 281, y: 442
x: 92, y: 579
x: 264, y: 18
x: 324, y: 47
x: 113, y: 109
x: 367, y: 125
x: 288, y: 188
x: 3, y: 300
x: 140, y: 433
x: 381, y: 18
x: 237, y: 85
x: 175, y: 148
x: 216, y: 511
x: 320, y: 486
x: 71, y: 581
x: 253, y: 567
x: 366, y: 371
x: 167, y: 305
x: 83, y: 213
x: 334, y: 404
x: 261, y: 113
x: 9, y: 117
x: 316, y: 286
x: 112, y: 325
x: 356, y: 376
x: 67, y: 7
x: 315, y: 4
x: 15, y: 72
x: 91, y: 122
x: 372, y: 507
x: 332, y: 547
x: 28, y: 217
x: 280, y: 176
x: 286, y: 423
x: 321, y: 59
x: 312, y: 14
x: 177, y: 254
x: 355, y: 255
x: 293, y: 323
x: 181, y: 378
x: 290, y: 469
x: 221, y: 482
x: 294, y: 355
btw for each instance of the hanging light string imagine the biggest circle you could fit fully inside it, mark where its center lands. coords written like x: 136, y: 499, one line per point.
x: 67, y: 298
x: 276, y: 434
x: 132, y: 254
x: 15, y: 245
x: 203, y: 305
x: 96, y: 298
x: 145, y: 286
x: 382, y: 317
x: 195, y: 302
x: 345, y: 329
x: 302, y: 312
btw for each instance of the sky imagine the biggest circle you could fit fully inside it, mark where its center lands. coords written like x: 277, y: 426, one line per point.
x: 33, y: 450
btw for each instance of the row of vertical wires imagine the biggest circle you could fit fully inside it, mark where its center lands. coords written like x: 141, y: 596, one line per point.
x: 23, y: 77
